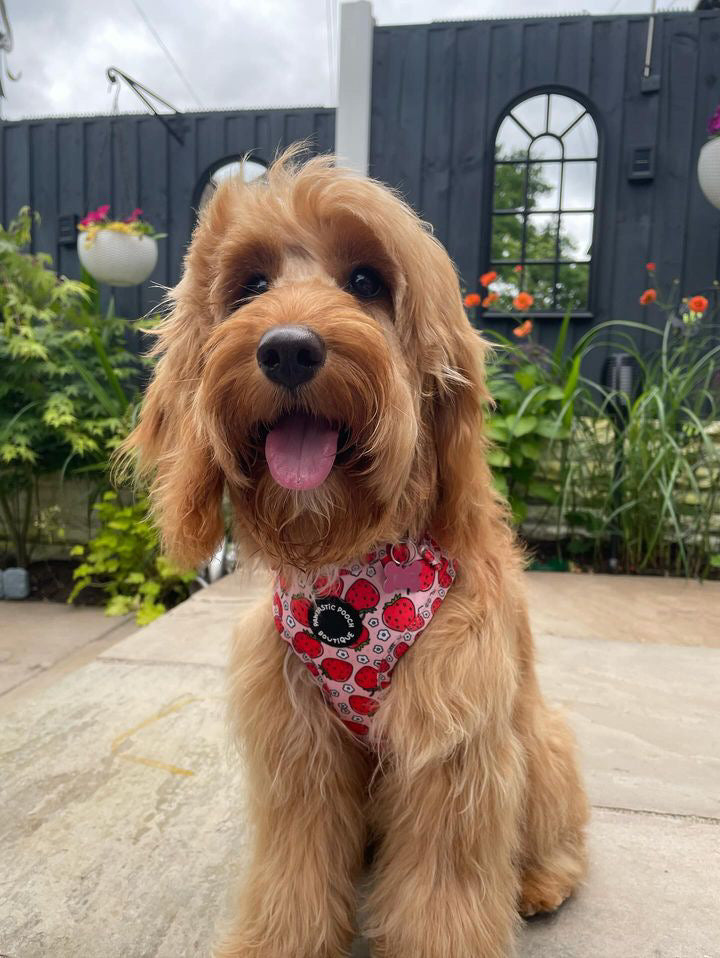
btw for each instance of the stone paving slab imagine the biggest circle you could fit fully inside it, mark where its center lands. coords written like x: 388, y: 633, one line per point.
x: 121, y: 820
x: 647, y: 609
x: 197, y: 631
x: 647, y: 720
x: 34, y: 636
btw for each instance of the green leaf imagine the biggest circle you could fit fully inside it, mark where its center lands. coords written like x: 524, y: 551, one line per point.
x: 522, y: 426
x: 526, y: 377
x: 519, y: 509
x: 551, y: 429
x: 118, y: 605
x: 148, y: 612
x: 500, y: 483
x: 496, y: 430
x: 542, y: 490
x: 498, y: 459
x: 530, y: 449
x: 134, y: 578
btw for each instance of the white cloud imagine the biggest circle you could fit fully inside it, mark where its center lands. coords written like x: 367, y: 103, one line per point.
x: 235, y: 54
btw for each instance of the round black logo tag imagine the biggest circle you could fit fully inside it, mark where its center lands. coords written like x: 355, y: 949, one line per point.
x: 335, y: 622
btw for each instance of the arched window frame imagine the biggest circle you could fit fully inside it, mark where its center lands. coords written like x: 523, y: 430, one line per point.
x: 486, y: 245
x: 216, y: 165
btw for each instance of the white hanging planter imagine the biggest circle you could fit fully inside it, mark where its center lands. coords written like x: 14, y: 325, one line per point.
x: 118, y: 259
x: 709, y: 170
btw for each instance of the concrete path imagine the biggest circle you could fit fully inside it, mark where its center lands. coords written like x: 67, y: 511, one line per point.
x: 120, y: 804
x: 37, y: 637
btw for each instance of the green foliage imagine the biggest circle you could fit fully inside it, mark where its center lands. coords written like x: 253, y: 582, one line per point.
x: 68, y: 378
x: 643, y: 471
x: 124, y: 560
x: 534, y: 392
x: 631, y: 479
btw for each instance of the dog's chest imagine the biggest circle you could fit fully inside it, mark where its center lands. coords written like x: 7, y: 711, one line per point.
x: 352, y: 631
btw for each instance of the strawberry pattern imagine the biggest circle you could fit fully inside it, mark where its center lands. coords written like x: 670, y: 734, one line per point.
x: 351, y: 632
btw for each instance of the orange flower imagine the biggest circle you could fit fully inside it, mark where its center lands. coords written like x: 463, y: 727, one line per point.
x: 649, y: 296
x: 650, y: 267
x: 524, y: 329
x: 698, y: 304
x: 518, y: 268
x: 488, y: 277
x: 489, y: 299
x: 472, y: 299
x: 523, y: 302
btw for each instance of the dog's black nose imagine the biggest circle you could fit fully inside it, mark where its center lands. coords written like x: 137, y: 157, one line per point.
x: 290, y: 355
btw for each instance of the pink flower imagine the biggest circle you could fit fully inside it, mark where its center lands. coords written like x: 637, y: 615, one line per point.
x: 713, y: 126
x: 134, y: 215
x: 102, y: 211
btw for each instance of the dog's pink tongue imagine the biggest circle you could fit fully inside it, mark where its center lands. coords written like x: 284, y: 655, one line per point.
x: 300, y: 451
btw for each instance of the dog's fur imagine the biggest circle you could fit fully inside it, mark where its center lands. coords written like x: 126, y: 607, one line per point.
x: 475, y: 800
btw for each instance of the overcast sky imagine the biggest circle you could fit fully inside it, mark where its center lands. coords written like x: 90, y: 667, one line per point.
x: 232, y: 53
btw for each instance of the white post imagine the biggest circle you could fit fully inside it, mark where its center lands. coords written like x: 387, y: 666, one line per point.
x: 352, y: 117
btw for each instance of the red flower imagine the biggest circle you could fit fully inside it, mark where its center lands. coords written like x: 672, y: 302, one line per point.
x: 649, y: 296
x: 650, y: 267
x: 523, y: 302
x: 518, y: 268
x: 472, y: 299
x: 488, y: 277
x: 489, y: 299
x: 524, y: 329
x: 698, y: 304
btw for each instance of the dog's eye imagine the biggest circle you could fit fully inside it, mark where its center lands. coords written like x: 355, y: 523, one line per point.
x: 256, y: 285
x: 365, y: 282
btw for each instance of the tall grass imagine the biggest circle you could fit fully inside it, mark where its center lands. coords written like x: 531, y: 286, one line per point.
x: 640, y: 480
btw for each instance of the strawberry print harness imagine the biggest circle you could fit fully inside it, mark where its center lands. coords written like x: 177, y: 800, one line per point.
x: 351, y: 632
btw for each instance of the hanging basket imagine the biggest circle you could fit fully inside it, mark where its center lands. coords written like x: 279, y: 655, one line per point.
x: 118, y: 259
x: 709, y: 171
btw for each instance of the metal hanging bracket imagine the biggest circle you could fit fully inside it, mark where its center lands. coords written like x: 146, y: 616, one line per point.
x: 115, y: 75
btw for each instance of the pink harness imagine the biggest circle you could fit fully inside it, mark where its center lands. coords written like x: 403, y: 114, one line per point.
x: 352, y: 632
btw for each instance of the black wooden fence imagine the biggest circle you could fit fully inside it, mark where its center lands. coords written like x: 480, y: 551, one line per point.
x: 67, y: 166
x: 440, y: 89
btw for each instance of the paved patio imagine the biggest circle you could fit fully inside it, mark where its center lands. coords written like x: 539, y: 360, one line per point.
x: 121, y: 821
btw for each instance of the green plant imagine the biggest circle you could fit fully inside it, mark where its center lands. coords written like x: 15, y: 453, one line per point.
x: 534, y: 391
x: 68, y: 379
x: 124, y: 560
x: 643, y: 475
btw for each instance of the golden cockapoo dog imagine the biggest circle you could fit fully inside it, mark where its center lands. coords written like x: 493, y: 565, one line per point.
x: 317, y: 297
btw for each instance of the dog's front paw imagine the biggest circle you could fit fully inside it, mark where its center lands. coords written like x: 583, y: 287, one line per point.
x: 542, y: 892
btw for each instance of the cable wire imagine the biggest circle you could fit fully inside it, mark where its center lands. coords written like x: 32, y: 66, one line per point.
x: 170, y: 57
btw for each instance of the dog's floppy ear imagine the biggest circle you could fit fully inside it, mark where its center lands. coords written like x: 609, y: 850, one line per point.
x: 452, y: 355
x: 170, y: 447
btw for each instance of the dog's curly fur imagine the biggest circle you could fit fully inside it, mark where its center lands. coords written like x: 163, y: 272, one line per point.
x: 472, y: 792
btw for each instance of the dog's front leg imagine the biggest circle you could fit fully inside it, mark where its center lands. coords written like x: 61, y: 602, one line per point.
x: 307, y: 786
x: 448, y: 803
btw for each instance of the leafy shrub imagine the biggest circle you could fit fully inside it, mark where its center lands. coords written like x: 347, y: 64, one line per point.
x: 124, y: 560
x: 68, y: 379
x: 534, y: 391
x: 632, y: 481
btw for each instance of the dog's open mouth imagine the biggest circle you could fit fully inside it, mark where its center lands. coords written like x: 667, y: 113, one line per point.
x: 300, y: 450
